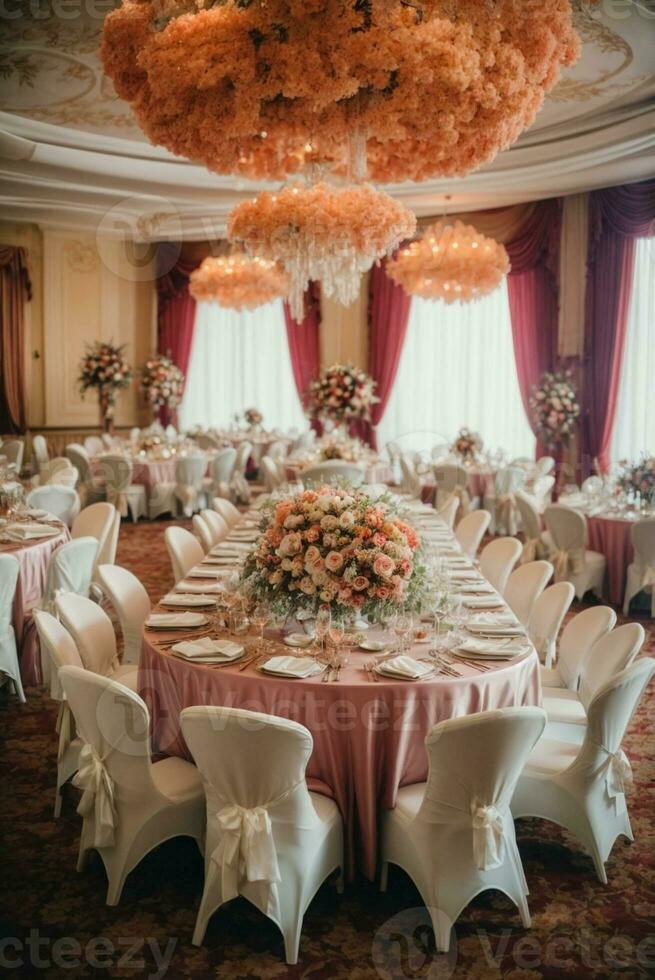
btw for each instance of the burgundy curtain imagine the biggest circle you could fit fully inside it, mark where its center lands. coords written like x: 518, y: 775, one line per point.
x: 388, y: 314
x: 15, y: 291
x: 533, y: 297
x: 618, y: 216
x: 176, y: 310
x: 304, y: 345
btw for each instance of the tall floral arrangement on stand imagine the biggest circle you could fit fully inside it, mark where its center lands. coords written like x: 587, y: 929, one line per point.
x: 341, y: 394
x: 336, y: 546
x: 467, y: 444
x: 638, y: 479
x: 162, y: 382
x: 555, y: 409
x: 253, y: 418
x: 104, y: 367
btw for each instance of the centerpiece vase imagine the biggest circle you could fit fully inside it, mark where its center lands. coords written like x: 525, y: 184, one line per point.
x: 106, y: 404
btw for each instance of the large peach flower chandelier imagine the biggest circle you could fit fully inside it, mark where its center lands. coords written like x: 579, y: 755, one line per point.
x: 238, y: 281
x: 322, y: 232
x: 451, y: 262
x: 261, y: 87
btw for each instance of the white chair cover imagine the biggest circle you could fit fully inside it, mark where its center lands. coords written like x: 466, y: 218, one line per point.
x: 202, y: 532
x: 94, y: 445
x: 641, y: 572
x: 69, y: 570
x: 546, y: 618
x: 502, y: 504
x: 544, y: 466
x: 92, y: 631
x: 221, y: 471
x: 132, y: 605
x: 571, y: 559
x: 582, y: 787
x: 9, y: 569
x: 577, y: 639
x: 189, y: 475
x: 62, y: 502
x: 40, y: 450
x: 448, y: 511
x: 117, y: 471
x: 471, y: 530
x: 523, y: 587
x: 452, y: 482
x: 218, y: 527
x: 184, y: 551
x: 528, y: 512
x: 271, y: 474
x: 268, y: 838
x: 497, y: 560
x: 227, y: 510
x: 128, y: 804
x: 91, y: 490
x: 454, y: 835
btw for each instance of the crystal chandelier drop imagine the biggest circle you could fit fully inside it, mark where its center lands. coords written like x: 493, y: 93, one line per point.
x: 238, y: 281
x: 322, y: 232
x: 451, y: 262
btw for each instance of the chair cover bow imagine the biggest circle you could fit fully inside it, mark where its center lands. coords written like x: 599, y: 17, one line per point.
x: 246, y: 849
x: 567, y: 562
x: 464, y: 505
x: 531, y: 550
x: 618, y: 775
x: 97, y: 795
x: 117, y: 497
x: 487, y: 835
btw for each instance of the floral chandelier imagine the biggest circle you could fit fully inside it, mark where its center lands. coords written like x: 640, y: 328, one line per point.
x: 322, y: 232
x: 238, y: 281
x: 263, y: 87
x: 452, y: 262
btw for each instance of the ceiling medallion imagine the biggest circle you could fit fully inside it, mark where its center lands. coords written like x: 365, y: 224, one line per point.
x: 322, y: 232
x: 238, y: 282
x: 438, y: 87
x: 451, y: 262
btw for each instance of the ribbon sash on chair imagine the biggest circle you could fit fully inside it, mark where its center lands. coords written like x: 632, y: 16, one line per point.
x: 487, y: 835
x: 567, y: 562
x: 618, y: 776
x: 118, y: 498
x: 246, y: 849
x: 97, y: 795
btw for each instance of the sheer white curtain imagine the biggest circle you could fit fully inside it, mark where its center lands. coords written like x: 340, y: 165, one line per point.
x: 634, y: 428
x: 457, y: 369
x: 238, y: 361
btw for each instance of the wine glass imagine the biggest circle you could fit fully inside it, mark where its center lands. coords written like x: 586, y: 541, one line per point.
x: 336, y: 633
x: 401, y: 626
x: 322, y: 625
x: 259, y: 618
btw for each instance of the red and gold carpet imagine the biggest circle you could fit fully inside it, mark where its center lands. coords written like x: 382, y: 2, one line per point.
x: 54, y: 922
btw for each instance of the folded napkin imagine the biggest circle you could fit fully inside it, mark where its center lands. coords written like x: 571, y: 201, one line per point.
x: 206, y: 647
x: 482, y: 602
x: 403, y: 666
x: 467, y: 588
x: 229, y: 547
x: 206, y: 571
x: 215, y: 588
x: 504, y: 618
x: 237, y: 536
x: 451, y: 562
x: 183, y: 599
x: 28, y: 532
x: 465, y: 576
x: 175, y: 620
x: 293, y: 666
x: 493, y: 649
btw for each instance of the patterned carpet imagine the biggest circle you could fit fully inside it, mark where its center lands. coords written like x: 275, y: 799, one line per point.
x: 57, y: 925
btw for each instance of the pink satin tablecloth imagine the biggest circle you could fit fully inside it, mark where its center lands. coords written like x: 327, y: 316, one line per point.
x: 611, y: 536
x: 481, y: 483
x: 368, y: 736
x: 33, y: 558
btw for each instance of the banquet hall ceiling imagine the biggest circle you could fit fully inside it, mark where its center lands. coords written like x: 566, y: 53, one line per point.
x: 71, y: 154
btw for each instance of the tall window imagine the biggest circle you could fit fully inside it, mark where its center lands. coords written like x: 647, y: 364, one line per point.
x: 457, y: 369
x: 240, y: 360
x: 634, y: 428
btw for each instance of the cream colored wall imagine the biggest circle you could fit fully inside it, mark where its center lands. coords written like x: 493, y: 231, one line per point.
x: 344, y: 330
x: 93, y: 290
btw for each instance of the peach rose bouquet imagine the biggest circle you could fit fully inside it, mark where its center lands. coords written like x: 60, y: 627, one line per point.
x: 336, y: 546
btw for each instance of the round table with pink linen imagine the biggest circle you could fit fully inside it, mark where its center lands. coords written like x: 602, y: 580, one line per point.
x: 33, y: 557
x: 368, y: 735
x: 611, y: 536
x: 481, y: 483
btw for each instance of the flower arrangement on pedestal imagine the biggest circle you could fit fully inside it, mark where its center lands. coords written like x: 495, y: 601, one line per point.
x: 162, y: 382
x: 341, y: 393
x: 347, y: 449
x: 238, y: 282
x: 335, y: 546
x: 253, y: 417
x: 105, y: 368
x: 638, y: 478
x: 467, y: 444
x: 555, y: 408
x: 452, y: 262
x: 263, y: 89
x: 321, y: 232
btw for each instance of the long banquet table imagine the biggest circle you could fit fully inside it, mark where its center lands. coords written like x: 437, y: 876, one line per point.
x: 368, y: 735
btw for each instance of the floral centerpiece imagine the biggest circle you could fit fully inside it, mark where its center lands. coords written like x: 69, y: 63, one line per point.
x: 162, y: 382
x: 335, y: 546
x: 342, y: 392
x: 105, y: 368
x: 467, y: 444
x: 638, y: 478
x: 253, y: 417
x: 555, y: 408
x: 347, y: 449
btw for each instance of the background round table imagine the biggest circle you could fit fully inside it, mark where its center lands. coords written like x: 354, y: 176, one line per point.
x: 368, y: 736
x: 611, y: 536
x: 33, y: 557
